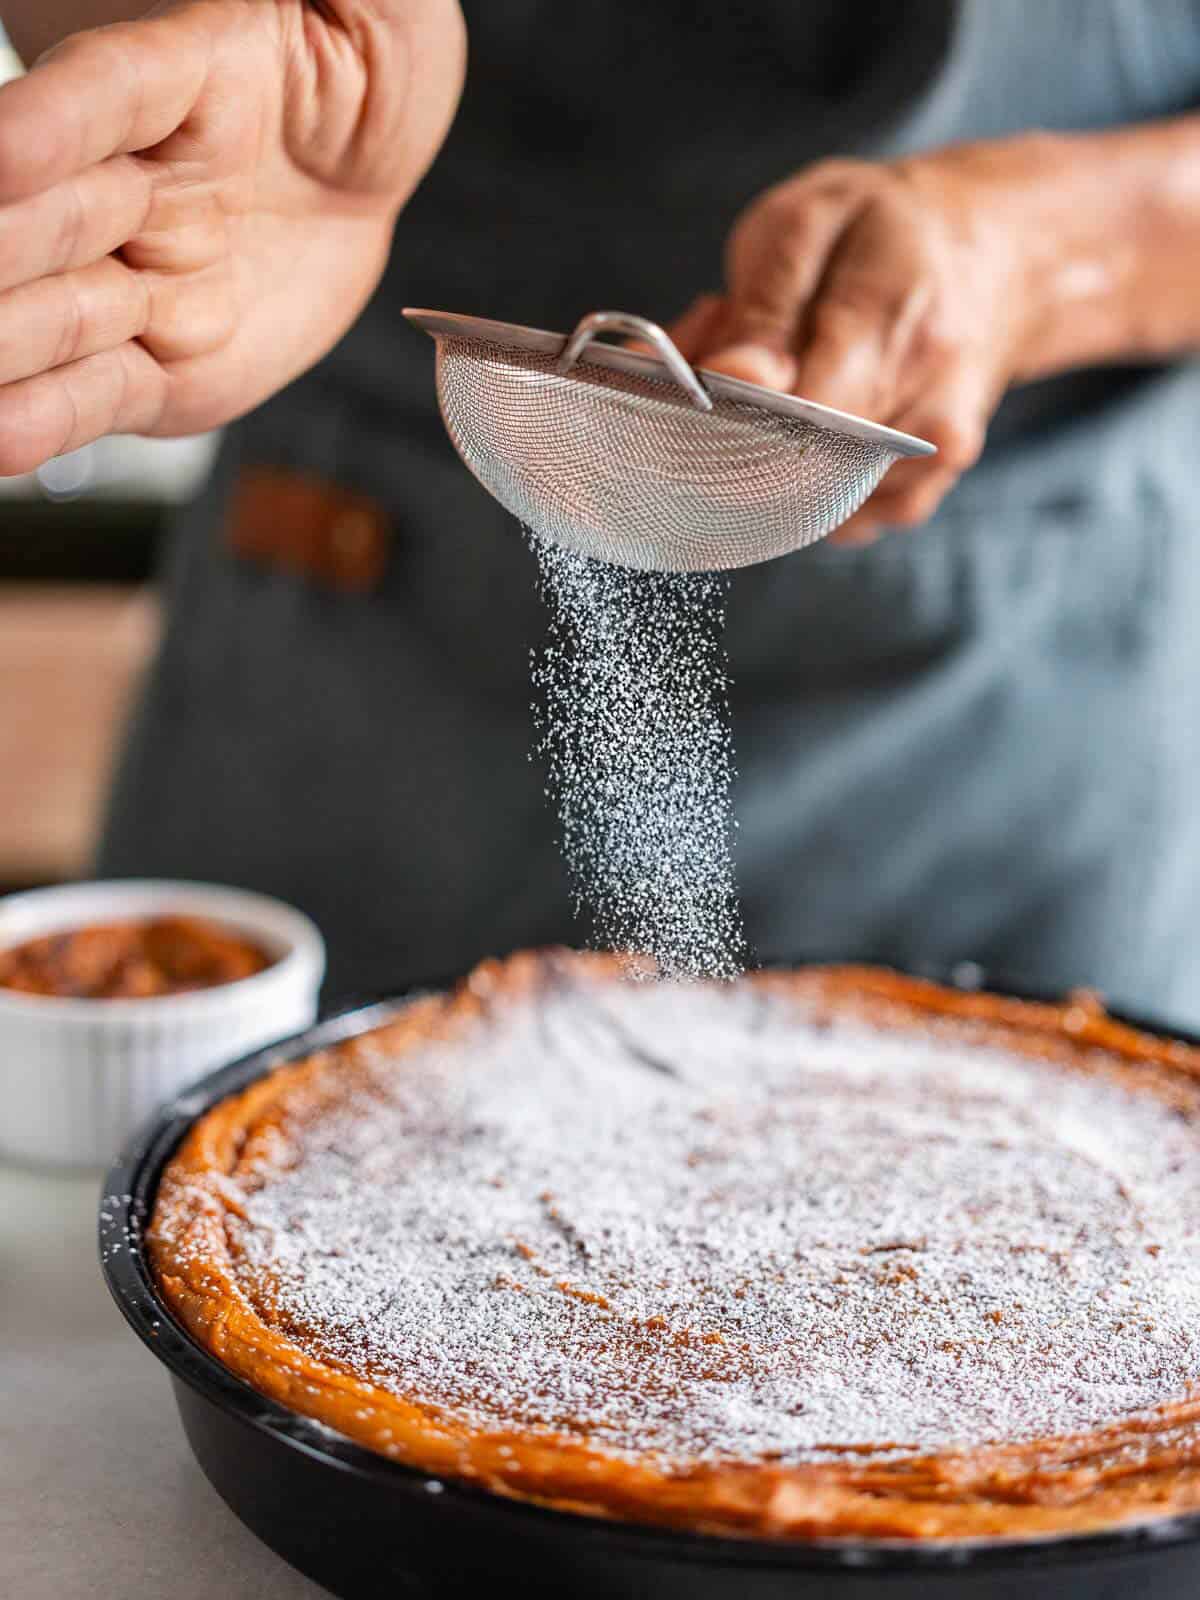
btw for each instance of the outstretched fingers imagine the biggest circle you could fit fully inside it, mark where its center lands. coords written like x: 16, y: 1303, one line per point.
x: 118, y: 391
x: 74, y: 223
x: 61, y: 319
x: 54, y: 124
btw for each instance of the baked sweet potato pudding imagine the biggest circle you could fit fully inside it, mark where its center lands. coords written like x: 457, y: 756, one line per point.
x: 830, y: 1252
x: 138, y: 959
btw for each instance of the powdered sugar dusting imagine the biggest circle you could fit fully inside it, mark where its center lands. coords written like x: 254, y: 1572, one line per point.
x: 695, y: 1223
x: 633, y: 726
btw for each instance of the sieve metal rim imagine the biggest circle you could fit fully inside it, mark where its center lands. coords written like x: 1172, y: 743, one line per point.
x: 540, y: 341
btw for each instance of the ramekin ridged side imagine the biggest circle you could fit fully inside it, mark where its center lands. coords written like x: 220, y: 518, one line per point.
x: 77, y: 1077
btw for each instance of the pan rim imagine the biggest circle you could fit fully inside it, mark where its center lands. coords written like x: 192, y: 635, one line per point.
x: 516, y: 336
x: 127, y: 1197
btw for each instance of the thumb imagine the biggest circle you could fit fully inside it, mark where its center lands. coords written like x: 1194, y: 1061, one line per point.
x: 775, y: 259
x: 757, y: 330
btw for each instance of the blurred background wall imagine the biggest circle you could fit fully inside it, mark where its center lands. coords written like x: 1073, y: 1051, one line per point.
x: 79, y: 542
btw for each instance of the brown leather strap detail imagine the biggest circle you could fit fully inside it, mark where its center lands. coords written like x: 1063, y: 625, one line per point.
x: 308, y: 526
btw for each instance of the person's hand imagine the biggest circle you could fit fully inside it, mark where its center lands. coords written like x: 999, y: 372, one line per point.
x: 902, y: 292
x: 195, y: 206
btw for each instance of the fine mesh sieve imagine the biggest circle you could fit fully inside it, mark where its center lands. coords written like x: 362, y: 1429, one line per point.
x: 638, y: 459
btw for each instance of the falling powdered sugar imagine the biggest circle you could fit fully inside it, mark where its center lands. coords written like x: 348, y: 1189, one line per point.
x: 633, y: 727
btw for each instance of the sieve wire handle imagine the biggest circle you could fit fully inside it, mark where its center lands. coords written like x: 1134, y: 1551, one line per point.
x: 636, y: 328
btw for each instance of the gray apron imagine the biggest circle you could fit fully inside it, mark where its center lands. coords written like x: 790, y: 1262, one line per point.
x: 971, y: 742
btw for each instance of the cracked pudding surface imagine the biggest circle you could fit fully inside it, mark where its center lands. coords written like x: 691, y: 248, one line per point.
x: 825, y: 1253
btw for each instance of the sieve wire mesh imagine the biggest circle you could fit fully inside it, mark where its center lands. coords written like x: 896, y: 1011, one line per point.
x: 625, y: 469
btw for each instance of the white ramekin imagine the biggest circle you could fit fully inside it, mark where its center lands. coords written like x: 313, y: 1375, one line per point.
x: 78, y: 1076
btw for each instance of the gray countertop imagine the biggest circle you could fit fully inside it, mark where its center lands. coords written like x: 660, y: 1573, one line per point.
x: 99, y: 1494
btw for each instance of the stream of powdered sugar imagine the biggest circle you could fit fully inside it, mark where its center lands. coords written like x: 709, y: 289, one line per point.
x: 690, y: 1222
x: 633, y: 726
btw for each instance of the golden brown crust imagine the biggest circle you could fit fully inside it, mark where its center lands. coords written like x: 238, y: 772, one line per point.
x: 1140, y: 1468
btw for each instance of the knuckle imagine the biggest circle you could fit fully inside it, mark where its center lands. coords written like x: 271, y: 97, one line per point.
x: 841, y: 317
x: 839, y: 175
x: 765, y: 283
x: 70, y: 317
x: 75, y: 47
x: 94, y: 48
x: 778, y: 227
x: 70, y: 228
x: 936, y: 339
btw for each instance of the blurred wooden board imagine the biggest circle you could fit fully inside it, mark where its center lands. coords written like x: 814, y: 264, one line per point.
x: 70, y: 661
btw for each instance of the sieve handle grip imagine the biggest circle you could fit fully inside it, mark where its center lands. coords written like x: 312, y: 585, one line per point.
x: 636, y: 328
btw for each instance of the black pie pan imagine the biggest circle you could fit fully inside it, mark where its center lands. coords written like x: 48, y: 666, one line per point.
x: 367, y: 1528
